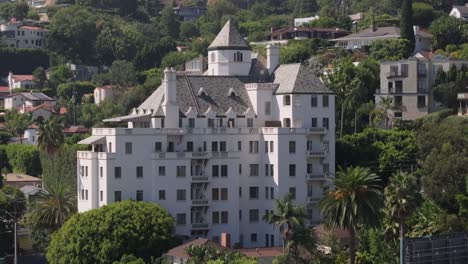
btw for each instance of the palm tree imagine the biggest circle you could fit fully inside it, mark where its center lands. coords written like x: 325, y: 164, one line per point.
x: 386, y: 104
x: 53, y: 206
x: 354, y: 200
x: 402, y: 197
x: 368, y: 109
x: 287, y: 216
x: 50, y: 136
x: 17, y: 123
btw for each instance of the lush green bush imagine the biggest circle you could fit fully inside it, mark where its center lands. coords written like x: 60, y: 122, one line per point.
x: 24, y: 159
x: 104, y: 235
x: 66, y: 90
x: 22, y: 61
x: 392, y: 49
x: 4, y: 136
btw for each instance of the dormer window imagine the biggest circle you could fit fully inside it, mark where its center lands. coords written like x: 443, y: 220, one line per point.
x: 202, y: 92
x: 232, y: 93
x: 238, y: 57
x: 213, y: 57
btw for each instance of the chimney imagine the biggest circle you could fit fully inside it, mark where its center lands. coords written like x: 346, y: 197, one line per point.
x: 226, y: 240
x: 170, y: 89
x: 273, y: 57
x: 10, y: 81
x: 416, y: 30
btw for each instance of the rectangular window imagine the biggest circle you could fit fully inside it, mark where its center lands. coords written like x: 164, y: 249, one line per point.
x: 292, y: 170
x: 231, y: 122
x: 250, y: 122
x: 240, y: 169
x: 181, y: 195
x: 224, y: 170
x: 214, y: 146
x: 286, y: 100
x: 271, y: 146
x: 210, y: 122
x: 325, y: 101
x: 157, y: 147
x: 266, y: 146
x: 101, y: 173
x: 309, y: 168
x: 86, y: 171
x: 398, y: 101
x: 313, y: 101
x: 314, y: 122
x: 181, y: 219
x: 272, y: 170
x: 398, y: 114
x: 117, y: 196
x: 162, y: 195
x: 267, y: 168
x: 398, y: 86
x: 117, y: 172
x: 286, y: 122
x: 267, y: 108
x: 224, y: 217
x: 139, y: 172
x: 325, y: 122
x: 292, y: 146
x: 267, y: 192
x: 191, y: 122
x: 253, y: 238
x: 421, y: 101
x: 326, y: 168
x: 309, y: 145
x: 253, y: 215
x: 101, y: 195
x: 189, y: 146
x: 253, y: 169
x: 390, y: 87
x: 82, y: 171
x: 239, y: 145
x: 222, y: 146
x: 224, y: 194
x: 215, y: 217
x: 128, y: 147
x: 240, y: 191
x: 292, y: 192
x: 253, y: 146
x: 215, y: 170
x: 181, y: 171
x: 215, y: 194
x: 272, y: 193
x: 253, y: 192
x: 162, y: 171
x: 139, y: 195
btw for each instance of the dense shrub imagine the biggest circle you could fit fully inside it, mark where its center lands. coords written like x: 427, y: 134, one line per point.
x: 24, y: 159
x: 22, y: 61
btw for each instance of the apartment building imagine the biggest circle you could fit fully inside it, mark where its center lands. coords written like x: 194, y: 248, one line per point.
x: 409, y: 84
x: 216, y: 149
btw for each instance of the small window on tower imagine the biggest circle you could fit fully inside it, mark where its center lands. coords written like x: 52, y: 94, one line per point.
x: 213, y: 57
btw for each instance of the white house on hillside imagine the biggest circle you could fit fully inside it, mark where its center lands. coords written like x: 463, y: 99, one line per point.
x: 102, y: 93
x: 16, y: 35
x: 368, y: 36
x: 304, y: 20
x: 216, y: 149
x: 16, y: 81
x: 460, y: 12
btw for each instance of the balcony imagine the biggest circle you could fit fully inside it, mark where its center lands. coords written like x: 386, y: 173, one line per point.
x: 200, y: 178
x: 313, y: 200
x: 200, y: 202
x: 392, y: 75
x: 95, y: 155
x: 200, y: 155
x: 200, y: 226
x: 316, y: 154
x: 318, y: 177
x: 316, y: 131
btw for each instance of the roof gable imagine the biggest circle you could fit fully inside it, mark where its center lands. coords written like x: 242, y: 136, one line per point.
x: 229, y: 38
x: 296, y: 78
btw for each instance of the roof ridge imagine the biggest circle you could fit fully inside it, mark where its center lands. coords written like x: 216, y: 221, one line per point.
x: 229, y: 38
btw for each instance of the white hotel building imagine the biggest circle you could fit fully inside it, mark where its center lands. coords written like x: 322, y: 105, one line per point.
x: 216, y: 149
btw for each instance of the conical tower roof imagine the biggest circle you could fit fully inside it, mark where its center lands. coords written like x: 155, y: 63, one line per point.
x: 229, y: 38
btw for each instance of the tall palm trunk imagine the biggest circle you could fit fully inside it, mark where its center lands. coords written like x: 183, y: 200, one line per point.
x: 402, y: 235
x: 352, y: 245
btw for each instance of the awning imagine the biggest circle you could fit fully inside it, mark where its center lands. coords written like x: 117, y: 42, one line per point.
x: 91, y: 140
x: 128, y: 118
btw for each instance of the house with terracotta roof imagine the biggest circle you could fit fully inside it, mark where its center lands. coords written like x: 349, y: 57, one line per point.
x: 17, y: 81
x: 16, y: 34
x: 28, y: 100
x: 368, y: 36
x: 18, y: 180
x: 299, y: 33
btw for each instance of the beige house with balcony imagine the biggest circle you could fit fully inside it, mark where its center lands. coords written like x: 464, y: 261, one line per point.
x: 409, y: 84
x: 463, y: 108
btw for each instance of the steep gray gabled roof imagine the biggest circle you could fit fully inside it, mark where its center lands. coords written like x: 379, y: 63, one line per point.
x: 463, y: 10
x: 298, y: 79
x: 229, y: 38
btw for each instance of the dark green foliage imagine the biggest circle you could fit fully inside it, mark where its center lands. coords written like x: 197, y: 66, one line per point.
x: 332, y: 22
x: 406, y: 22
x: 11, y: 200
x: 72, y: 33
x: 443, y: 144
x: 61, y: 168
x: 18, y: 10
x: 169, y: 23
x: 423, y: 14
x: 59, y: 74
x: 22, y: 61
x: 104, y: 235
x: 447, y: 30
x: 300, y: 50
x: 173, y: 59
x: 4, y: 137
x: 391, y: 49
x: 385, y: 151
x: 188, y: 30
x: 24, y: 159
x: 449, y: 84
x: 67, y: 90
x: 40, y: 77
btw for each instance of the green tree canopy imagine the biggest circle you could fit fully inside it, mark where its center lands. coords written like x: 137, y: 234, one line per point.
x: 391, y: 49
x: 406, y: 22
x: 104, y: 235
x: 447, y: 30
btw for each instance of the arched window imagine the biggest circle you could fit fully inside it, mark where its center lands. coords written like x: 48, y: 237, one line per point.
x: 213, y: 57
x: 238, y: 57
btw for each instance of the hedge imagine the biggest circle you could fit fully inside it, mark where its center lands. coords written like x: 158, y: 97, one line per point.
x: 22, y: 61
x: 24, y: 159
